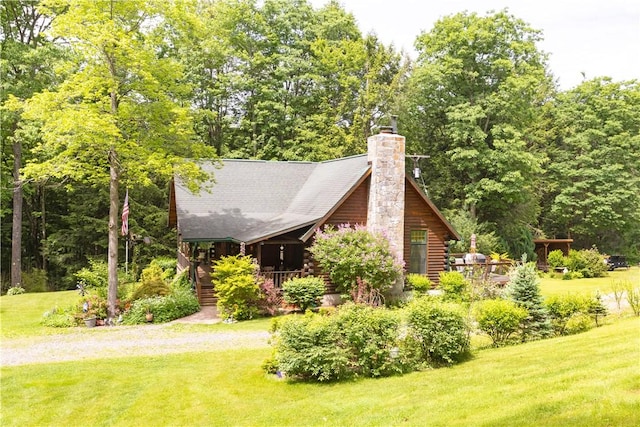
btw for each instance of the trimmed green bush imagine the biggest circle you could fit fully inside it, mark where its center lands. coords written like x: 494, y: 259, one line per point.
x: 439, y: 329
x: 556, y: 259
x: 236, y: 286
x: 306, y: 349
x: 419, y: 283
x: 456, y: 288
x: 304, y: 292
x: 578, y: 324
x: 563, y: 308
x: 370, y: 335
x: 499, y: 319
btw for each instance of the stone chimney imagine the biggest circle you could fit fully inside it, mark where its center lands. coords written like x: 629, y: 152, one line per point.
x: 385, y: 214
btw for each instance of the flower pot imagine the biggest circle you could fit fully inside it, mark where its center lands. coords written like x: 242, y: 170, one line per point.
x: 149, y: 317
x: 91, y: 322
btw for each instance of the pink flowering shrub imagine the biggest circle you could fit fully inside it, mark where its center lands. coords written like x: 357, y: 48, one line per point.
x: 353, y: 256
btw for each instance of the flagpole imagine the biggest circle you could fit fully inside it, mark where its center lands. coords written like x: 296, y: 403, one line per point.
x: 126, y: 254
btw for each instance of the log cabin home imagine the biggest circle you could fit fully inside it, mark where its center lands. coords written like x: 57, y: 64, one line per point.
x: 271, y: 210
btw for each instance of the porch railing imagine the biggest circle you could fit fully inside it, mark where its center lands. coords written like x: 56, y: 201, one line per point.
x: 279, y: 277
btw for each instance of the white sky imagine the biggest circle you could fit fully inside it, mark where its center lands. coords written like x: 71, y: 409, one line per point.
x: 597, y: 37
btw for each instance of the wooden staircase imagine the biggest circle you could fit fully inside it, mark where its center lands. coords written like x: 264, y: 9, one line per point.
x: 206, y: 296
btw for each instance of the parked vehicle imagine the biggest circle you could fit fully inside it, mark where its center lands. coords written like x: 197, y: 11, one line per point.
x: 616, y: 261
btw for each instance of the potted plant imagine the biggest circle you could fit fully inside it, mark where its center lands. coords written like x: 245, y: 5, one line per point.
x: 90, y: 319
x: 149, y: 315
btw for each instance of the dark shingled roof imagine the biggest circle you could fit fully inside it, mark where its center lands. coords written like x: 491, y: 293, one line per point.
x: 252, y: 200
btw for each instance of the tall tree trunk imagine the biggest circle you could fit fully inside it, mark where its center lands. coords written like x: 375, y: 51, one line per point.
x: 16, y: 229
x: 112, y: 264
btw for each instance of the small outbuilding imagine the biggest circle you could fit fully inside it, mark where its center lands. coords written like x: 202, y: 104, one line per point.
x: 544, y: 246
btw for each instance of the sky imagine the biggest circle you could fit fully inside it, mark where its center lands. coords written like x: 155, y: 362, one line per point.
x: 594, y: 37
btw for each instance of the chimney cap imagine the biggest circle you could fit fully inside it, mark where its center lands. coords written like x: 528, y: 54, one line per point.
x: 386, y: 129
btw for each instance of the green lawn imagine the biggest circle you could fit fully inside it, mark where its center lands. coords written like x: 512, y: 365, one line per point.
x: 590, y: 379
x: 20, y: 315
x: 550, y: 286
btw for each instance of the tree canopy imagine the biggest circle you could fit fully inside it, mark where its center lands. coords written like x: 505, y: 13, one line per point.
x: 99, y: 97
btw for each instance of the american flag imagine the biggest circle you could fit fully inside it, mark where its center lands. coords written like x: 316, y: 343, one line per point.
x: 125, y: 215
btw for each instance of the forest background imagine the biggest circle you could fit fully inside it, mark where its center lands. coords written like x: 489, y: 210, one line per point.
x: 99, y: 98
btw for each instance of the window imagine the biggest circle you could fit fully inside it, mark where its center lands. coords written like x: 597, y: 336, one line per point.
x: 418, y: 256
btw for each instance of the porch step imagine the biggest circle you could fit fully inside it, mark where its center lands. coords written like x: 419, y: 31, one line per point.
x: 207, y: 297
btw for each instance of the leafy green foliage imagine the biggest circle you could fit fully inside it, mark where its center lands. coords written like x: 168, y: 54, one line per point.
x: 556, y: 259
x: 236, y: 286
x: 59, y: 318
x: 473, y: 102
x: 563, y: 308
x: 632, y: 295
x: 356, y: 340
x: 523, y: 289
x: 16, y: 290
x: 304, y: 292
x: 500, y: 319
x: 439, y: 329
x: 306, y: 348
x: 587, y: 262
x: 456, y: 288
x: 351, y: 254
x: 419, y: 283
x: 151, y: 283
x: 179, y: 303
x: 595, y: 156
x: 35, y: 280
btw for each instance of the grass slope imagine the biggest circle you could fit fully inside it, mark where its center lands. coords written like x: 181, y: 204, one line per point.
x: 20, y: 315
x: 591, y: 379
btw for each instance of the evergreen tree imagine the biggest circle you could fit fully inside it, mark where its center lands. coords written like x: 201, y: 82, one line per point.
x: 523, y: 289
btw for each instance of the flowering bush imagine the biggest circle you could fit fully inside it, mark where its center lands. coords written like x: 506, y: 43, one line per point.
x: 351, y: 254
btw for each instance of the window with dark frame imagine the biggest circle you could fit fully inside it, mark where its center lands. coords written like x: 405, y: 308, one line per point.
x: 418, y: 256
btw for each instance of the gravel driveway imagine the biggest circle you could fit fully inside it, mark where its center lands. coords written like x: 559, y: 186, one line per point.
x: 103, y: 343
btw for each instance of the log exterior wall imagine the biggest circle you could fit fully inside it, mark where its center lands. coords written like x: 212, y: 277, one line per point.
x: 419, y: 216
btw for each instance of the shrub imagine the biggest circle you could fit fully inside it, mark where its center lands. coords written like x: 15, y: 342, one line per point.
x: 352, y: 254
x: 370, y: 335
x: 455, y: 286
x: 270, y: 299
x: 168, y: 266
x: 92, y: 305
x: 306, y: 349
x: 235, y: 283
x: 596, y: 309
x: 151, y: 283
x: 181, y: 280
x: 96, y: 276
x: 439, y: 329
x: 523, y: 289
x: 588, y: 262
x: 59, y: 318
x: 563, y: 308
x: 633, y: 298
x: 578, y: 324
x: 556, y: 259
x: 34, y: 280
x: 356, y: 340
x: 178, y: 304
x: 419, y: 283
x: 499, y: 319
x: 304, y: 292
x: 15, y: 290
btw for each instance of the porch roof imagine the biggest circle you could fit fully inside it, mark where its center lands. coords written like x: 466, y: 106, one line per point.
x: 253, y: 200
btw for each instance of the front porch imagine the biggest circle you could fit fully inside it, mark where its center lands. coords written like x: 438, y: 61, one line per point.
x: 279, y: 260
